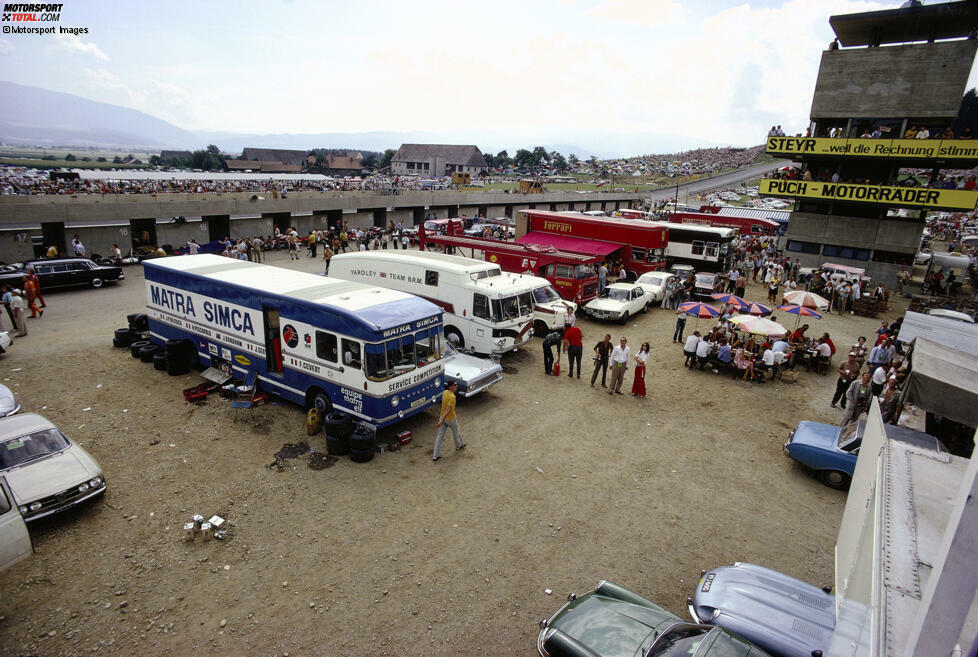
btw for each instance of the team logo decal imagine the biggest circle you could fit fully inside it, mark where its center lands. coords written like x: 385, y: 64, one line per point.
x: 290, y: 335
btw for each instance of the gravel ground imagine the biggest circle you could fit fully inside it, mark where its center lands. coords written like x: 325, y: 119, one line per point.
x: 560, y: 486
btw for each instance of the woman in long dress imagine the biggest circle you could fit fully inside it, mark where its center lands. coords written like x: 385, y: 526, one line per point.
x: 638, y: 383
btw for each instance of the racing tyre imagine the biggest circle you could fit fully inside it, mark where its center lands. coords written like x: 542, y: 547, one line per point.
x: 624, y: 318
x: 147, y: 353
x: 137, y: 345
x: 176, y: 369
x: 124, y: 335
x: 363, y: 439
x: 835, y: 479
x: 337, y: 445
x: 361, y: 455
x: 116, y: 342
x: 138, y: 322
x: 159, y: 361
x: 338, y: 424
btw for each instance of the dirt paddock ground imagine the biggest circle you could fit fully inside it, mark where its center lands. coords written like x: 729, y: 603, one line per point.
x: 560, y: 486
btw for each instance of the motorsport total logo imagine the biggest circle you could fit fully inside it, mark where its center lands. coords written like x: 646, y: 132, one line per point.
x: 31, y: 13
x: 28, y: 15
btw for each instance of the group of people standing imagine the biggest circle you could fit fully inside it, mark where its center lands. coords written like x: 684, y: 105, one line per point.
x: 855, y: 389
x: 606, y: 356
x: 18, y: 301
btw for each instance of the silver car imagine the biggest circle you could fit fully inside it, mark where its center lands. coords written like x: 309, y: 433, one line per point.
x: 47, y: 473
x: 780, y: 614
x: 473, y: 374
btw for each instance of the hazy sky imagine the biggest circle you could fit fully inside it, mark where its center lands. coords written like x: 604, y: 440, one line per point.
x: 719, y: 71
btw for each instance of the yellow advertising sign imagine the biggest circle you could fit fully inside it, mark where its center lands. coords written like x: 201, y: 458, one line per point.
x: 950, y: 199
x: 938, y: 149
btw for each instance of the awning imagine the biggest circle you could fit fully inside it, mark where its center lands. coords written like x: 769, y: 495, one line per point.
x: 942, y: 381
x: 950, y: 332
x: 573, y: 244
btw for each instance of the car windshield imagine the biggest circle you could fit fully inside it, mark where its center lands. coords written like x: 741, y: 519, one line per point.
x: 545, y: 294
x: 851, y: 436
x: 30, y: 447
x: 615, y: 293
x: 680, y: 642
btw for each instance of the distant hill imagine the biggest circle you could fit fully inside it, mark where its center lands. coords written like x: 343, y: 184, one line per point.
x: 31, y: 115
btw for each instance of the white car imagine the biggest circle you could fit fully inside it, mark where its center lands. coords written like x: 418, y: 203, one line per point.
x: 47, y: 473
x: 8, y: 405
x: 619, y: 301
x: 655, y: 282
x: 5, y: 342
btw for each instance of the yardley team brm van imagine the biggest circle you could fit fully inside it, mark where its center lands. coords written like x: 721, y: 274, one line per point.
x: 486, y: 311
x: 372, y: 352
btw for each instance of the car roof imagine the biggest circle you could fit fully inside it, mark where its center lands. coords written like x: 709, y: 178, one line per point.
x: 23, y: 424
x: 623, y: 286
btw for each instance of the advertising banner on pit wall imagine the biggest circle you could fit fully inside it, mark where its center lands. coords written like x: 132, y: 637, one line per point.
x: 917, y: 197
x: 939, y: 149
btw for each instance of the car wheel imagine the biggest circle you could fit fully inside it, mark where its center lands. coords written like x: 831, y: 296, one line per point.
x: 624, y: 318
x: 97, y: 282
x: 453, y: 335
x: 645, y: 308
x: 318, y: 399
x: 835, y: 479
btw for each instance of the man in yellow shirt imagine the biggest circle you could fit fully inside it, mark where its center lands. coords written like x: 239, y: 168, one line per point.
x: 447, y: 420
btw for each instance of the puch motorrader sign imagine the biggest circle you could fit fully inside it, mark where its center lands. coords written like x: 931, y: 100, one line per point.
x: 941, y: 149
x: 950, y: 199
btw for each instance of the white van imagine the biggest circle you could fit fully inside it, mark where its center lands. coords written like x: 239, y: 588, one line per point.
x: 549, y: 310
x: 486, y: 311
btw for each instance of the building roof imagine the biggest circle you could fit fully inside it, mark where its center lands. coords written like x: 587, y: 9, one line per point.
x: 274, y: 155
x: 175, y: 155
x: 948, y: 20
x: 351, y: 161
x: 943, y: 330
x: 278, y: 167
x: 241, y: 165
x: 755, y: 213
x: 469, y: 156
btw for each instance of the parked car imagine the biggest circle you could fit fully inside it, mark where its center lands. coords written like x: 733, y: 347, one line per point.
x: 61, y: 272
x: 832, y: 451
x: 8, y: 405
x: 707, y: 284
x: 47, y: 472
x: 619, y: 301
x: 15, y: 541
x: 611, y: 621
x: 5, y: 341
x: 778, y: 613
x: 473, y: 374
x: 655, y: 282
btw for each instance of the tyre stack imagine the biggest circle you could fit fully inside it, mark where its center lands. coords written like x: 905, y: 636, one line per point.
x: 339, y: 426
x: 137, y: 330
x: 177, y: 354
x: 363, y: 442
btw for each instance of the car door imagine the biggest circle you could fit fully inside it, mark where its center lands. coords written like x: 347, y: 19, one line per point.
x: 15, y: 542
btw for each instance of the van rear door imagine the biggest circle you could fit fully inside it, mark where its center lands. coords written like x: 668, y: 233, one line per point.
x: 15, y: 542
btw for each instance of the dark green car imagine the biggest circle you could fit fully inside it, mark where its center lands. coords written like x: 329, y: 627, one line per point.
x: 612, y: 621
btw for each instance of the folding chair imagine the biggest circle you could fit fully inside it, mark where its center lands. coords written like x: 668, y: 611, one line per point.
x: 244, y: 395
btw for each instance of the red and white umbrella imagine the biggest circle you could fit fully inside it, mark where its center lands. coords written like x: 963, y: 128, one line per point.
x: 806, y: 299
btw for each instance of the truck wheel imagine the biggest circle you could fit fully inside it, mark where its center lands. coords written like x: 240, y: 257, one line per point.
x: 540, y: 328
x: 191, y: 354
x: 318, y: 399
x: 834, y: 479
x: 452, y: 335
x: 97, y: 282
x: 624, y: 318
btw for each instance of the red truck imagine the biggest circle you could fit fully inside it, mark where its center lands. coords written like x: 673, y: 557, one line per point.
x: 572, y: 275
x: 636, y: 244
x: 709, y: 217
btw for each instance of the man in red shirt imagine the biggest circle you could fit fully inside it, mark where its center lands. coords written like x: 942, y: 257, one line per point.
x: 799, y: 335
x: 575, y: 348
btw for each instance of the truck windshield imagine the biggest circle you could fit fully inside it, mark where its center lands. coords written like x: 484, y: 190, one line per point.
x: 545, y: 294
x: 512, y: 307
x: 400, y: 355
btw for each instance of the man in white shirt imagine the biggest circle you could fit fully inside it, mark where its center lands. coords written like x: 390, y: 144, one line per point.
x: 690, y: 348
x: 620, y: 356
x: 923, y: 133
x: 879, y: 380
x: 703, y: 352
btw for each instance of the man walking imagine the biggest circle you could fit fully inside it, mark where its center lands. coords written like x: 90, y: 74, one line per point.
x: 550, y: 341
x: 858, y: 396
x: 620, y: 356
x: 447, y: 420
x: 602, y: 351
x: 573, y: 342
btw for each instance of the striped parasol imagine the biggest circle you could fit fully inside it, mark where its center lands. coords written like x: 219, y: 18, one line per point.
x: 806, y: 299
x: 758, y: 309
x: 799, y: 312
x: 698, y: 310
x: 758, y: 326
x: 732, y: 299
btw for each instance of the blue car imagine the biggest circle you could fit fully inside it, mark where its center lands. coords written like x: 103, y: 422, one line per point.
x: 778, y: 613
x: 832, y: 451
